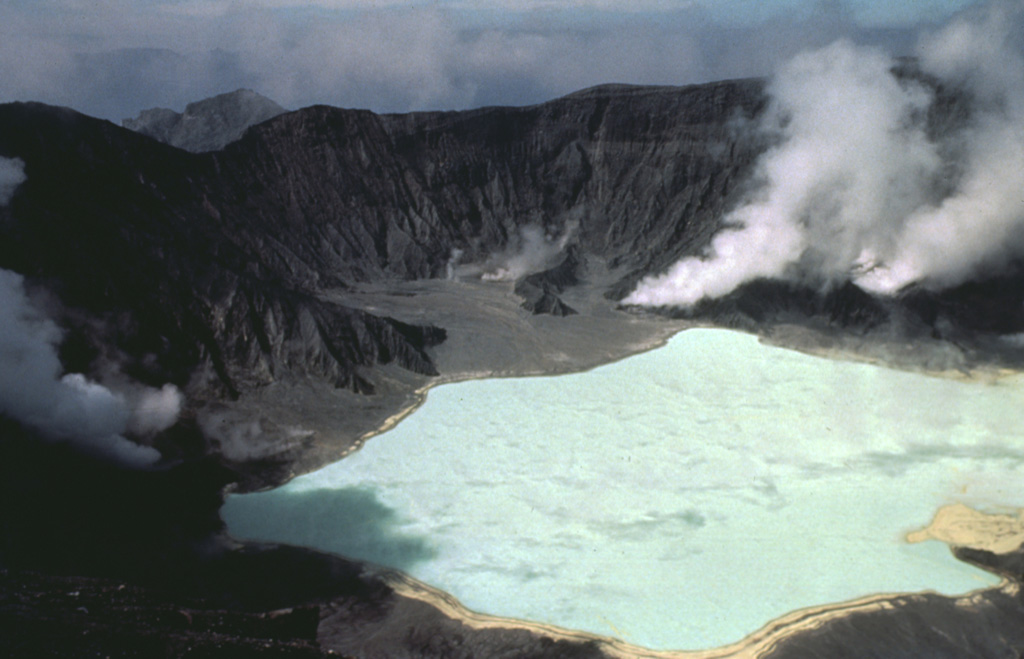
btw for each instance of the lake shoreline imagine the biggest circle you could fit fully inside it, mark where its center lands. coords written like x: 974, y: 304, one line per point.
x: 821, y: 615
x: 753, y: 645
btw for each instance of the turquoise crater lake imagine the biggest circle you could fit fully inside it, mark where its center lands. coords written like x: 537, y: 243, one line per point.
x: 681, y: 498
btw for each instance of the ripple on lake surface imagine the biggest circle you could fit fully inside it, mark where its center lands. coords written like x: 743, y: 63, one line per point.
x: 681, y: 498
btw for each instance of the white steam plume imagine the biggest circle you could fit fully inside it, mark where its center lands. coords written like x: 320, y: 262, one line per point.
x: 529, y: 250
x: 976, y: 227
x: 854, y: 188
x: 153, y: 410
x: 532, y: 251
x: 70, y: 408
x: 12, y: 174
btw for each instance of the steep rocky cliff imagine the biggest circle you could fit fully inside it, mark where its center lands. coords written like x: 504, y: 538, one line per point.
x: 228, y: 264
x: 219, y: 272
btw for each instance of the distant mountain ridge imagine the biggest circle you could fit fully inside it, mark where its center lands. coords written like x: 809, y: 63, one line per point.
x: 206, y: 125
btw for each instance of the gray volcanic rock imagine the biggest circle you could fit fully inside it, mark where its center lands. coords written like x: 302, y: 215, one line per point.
x: 149, y: 279
x: 206, y: 125
x: 540, y: 290
x: 193, y: 250
x: 539, y: 299
x: 981, y: 624
x: 349, y: 195
x: 226, y: 273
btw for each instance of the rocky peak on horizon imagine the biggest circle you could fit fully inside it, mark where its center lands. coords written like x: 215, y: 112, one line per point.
x: 206, y: 125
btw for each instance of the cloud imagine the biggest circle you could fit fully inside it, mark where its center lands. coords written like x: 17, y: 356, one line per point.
x: 68, y: 407
x: 153, y: 410
x: 12, y: 174
x: 857, y: 188
x: 238, y: 439
x: 884, y: 13
x: 975, y: 229
x: 115, y: 58
x: 530, y: 250
x: 71, y: 408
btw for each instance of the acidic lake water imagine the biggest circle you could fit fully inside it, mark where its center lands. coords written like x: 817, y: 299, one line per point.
x: 681, y: 498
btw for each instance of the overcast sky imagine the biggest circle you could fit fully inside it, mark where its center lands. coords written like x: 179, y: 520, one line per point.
x: 113, y: 58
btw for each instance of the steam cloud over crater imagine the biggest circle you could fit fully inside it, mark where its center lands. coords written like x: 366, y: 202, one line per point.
x: 858, y: 187
x: 12, y: 174
x: 69, y: 408
x: 530, y: 250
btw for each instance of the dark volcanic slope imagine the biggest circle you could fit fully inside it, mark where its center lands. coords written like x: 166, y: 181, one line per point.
x: 123, y: 228
x: 351, y: 195
x: 323, y: 195
x: 210, y: 270
x: 216, y: 271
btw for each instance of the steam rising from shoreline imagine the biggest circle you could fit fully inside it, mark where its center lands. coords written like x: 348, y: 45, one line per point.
x: 12, y: 174
x: 531, y: 249
x: 856, y: 188
x: 69, y: 408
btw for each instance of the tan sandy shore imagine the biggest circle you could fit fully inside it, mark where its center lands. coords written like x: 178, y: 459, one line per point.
x: 956, y: 525
x: 962, y: 526
x: 519, y: 345
x: 755, y: 645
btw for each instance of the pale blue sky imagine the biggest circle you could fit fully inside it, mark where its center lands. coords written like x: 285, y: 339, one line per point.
x: 113, y: 58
